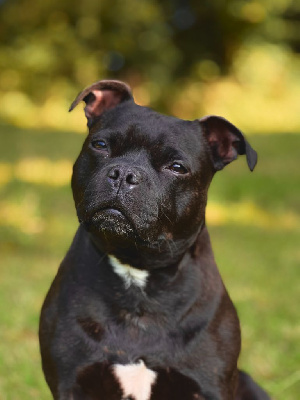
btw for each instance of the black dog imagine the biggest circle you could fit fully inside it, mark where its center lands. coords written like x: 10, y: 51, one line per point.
x: 138, y: 309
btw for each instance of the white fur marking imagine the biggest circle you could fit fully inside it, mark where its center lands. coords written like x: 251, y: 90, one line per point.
x: 135, y: 380
x: 129, y: 274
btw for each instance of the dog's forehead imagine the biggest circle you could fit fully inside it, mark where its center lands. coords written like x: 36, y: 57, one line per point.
x: 135, y: 121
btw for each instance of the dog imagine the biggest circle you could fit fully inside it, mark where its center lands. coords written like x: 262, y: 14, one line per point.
x: 138, y: 310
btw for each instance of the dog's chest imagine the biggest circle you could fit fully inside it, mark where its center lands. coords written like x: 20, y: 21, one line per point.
x: 136, y: 381
x: 127, y: 338
x: 136, y: 361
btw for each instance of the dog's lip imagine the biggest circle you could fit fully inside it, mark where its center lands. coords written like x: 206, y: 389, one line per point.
x: 113, y: 210
x: 109, y: 210
x: 112, y: 213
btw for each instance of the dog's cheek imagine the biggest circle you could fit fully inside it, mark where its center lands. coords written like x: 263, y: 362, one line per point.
x: 84, y: 179
x: 80, y: 178
x: 190, y: 205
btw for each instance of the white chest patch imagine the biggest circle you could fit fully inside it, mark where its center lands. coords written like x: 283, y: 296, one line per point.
x: 129, y: 274
x: 135, y: 380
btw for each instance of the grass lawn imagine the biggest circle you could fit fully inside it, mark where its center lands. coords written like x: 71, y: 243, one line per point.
x: 254, y: 221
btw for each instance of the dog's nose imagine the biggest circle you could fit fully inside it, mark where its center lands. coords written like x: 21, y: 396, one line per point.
x: 130, y: 176
x: 133, y: 178
x: 114, y: 173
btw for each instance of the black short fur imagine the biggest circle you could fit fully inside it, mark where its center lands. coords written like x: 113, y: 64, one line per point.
x: 140, y: 189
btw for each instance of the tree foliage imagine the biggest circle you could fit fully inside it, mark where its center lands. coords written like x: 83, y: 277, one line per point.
x: 49, y: 46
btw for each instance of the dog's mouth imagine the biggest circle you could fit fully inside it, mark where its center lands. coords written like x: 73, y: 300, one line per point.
x: 111, y: 220
x: 117, y: 224
x: 125, y: 232
x: 111, y: 214
x: 108, y: 211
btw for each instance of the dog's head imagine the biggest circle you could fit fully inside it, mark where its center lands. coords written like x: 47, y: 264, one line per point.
x: 140, y: 182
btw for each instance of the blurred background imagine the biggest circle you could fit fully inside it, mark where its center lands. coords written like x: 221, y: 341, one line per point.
x: 235, y: 58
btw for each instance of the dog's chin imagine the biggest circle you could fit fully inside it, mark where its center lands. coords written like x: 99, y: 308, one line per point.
x: 114, y: 233
x: 113, y: 228
x: 111, y: 221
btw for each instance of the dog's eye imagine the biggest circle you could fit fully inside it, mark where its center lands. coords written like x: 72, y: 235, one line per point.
x: 178, y: 168
x: 99, y: 145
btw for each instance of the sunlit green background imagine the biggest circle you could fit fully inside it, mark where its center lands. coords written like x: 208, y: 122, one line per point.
x: 236, y: 58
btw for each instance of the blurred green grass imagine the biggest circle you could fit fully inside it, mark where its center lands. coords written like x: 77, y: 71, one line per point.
x: 259, y: 262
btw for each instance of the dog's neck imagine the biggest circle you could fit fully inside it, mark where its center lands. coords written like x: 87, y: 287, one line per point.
x: 128, y: 257
x: 129, y: 274
x: 140, y: 292
x: 139, y: 277
x: 132, y: 271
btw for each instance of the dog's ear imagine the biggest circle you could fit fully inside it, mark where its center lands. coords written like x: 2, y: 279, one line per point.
x: 102, y: 96
x: 226, y: 141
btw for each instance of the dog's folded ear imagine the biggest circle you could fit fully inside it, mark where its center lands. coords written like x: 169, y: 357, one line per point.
x: 102, y: 96
x: 226, y: 141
